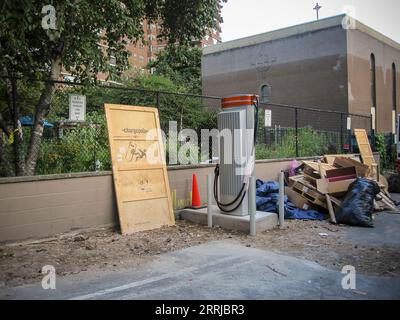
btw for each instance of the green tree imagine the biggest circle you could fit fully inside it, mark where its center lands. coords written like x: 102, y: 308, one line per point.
x: 81, y: 26
x: 180, y: 63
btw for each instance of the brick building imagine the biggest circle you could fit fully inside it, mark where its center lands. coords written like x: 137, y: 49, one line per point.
x: 336, y: 63
x: 141, y: 53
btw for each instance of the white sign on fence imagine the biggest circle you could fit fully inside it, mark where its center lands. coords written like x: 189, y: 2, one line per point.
x: 77, y: 107
x: 348, y: 123
x: 268, y: 118
x: 373, y: 114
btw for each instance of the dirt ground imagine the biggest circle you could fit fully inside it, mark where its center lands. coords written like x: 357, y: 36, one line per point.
x: 108, y: 250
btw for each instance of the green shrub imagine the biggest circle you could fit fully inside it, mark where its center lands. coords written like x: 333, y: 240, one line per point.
x: 384, y: 147
x: 82, y: 148
x: 310, y: 143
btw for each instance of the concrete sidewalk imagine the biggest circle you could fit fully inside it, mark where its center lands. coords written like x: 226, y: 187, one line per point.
x: 217, y: 270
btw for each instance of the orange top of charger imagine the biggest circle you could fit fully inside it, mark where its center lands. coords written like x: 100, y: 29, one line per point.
x: 240, y: 100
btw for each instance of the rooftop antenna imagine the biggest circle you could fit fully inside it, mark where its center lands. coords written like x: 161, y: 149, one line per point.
x: 317, y: 8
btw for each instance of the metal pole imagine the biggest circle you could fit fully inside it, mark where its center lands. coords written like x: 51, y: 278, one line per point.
x: 281, y: 199
x: 252, y: 206
x: 349, y: 133
x: 15, y: 116
x: 297, y: 132
x: 373, y: 133
x: 158, y: 100
x: 341, y: 133
x: 209, y: 200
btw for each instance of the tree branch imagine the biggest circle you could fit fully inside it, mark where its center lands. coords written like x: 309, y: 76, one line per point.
x: 3, y: 126
x: 6, y: 169
x: 42, y: 110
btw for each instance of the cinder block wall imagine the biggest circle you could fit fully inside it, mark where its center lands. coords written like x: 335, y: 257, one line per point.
x: 43, y: 206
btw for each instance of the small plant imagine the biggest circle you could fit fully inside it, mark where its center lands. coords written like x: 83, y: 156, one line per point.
x: 385, y: 153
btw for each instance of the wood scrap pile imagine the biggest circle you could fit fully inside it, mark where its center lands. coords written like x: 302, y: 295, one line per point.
x: 323, y: 185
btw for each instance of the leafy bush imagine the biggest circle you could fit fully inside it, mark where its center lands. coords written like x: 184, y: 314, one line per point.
x: 310, y: 143
x: 384, y: 147
x: 81, y: 148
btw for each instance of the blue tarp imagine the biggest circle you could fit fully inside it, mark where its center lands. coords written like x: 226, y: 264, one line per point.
x: 28, y: 121
x: 267, y: 200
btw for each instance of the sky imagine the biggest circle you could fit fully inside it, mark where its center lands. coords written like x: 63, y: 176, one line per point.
x: 244, y: 18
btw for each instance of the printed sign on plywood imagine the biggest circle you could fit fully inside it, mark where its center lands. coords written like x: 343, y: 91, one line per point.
x: 139, y: 168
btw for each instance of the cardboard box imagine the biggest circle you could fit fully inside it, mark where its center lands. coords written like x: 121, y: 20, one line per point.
x: 330, y: 159
x: 297, y: 199
x: 326, y: 187
x: 312, y: 169
x: 341, y: 174
x: 361, y: 169
x: 337, y: 181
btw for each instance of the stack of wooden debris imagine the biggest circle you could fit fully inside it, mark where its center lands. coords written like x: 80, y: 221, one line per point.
x: 322, y: 185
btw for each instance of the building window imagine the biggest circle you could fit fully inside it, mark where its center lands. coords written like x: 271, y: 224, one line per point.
x: 394, y: 85
x: 265, y: 93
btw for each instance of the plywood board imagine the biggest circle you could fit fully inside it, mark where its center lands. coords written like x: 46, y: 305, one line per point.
x: 365, y: 148
x: 139, y: 168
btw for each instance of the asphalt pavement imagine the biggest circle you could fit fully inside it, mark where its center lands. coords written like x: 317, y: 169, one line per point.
x: 216, y: 270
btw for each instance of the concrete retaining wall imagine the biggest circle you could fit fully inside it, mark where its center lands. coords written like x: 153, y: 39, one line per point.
x: 42, y: 206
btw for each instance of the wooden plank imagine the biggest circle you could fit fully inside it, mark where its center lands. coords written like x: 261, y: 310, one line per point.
x: 336, y: 201
x: 389, y: 204
x: 365, y: 148
x: 383, y: 181
x: 311, y: 195
x: 139, y: 168
x: 330, y: 209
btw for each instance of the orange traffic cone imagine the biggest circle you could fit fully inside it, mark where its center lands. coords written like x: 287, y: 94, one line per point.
x: 196, y: 200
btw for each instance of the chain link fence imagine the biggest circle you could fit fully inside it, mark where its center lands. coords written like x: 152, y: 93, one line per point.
x: 294, y: 131
x: 283, y: 131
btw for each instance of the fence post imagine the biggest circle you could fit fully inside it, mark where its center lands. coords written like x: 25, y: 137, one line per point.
x: 15, y: 114
x: 373, y: 133
x: 92, y: 126
x: 14, y: 96
x: 349, y: 134
x: 296, y: 131
x: 158, y: 100
x: 341, y: 133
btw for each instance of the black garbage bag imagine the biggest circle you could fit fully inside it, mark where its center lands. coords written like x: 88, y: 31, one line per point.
x: 394, y: 183
x: 358, y: 206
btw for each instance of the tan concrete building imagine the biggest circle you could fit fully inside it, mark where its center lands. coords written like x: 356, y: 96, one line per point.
x: 336, y: 63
